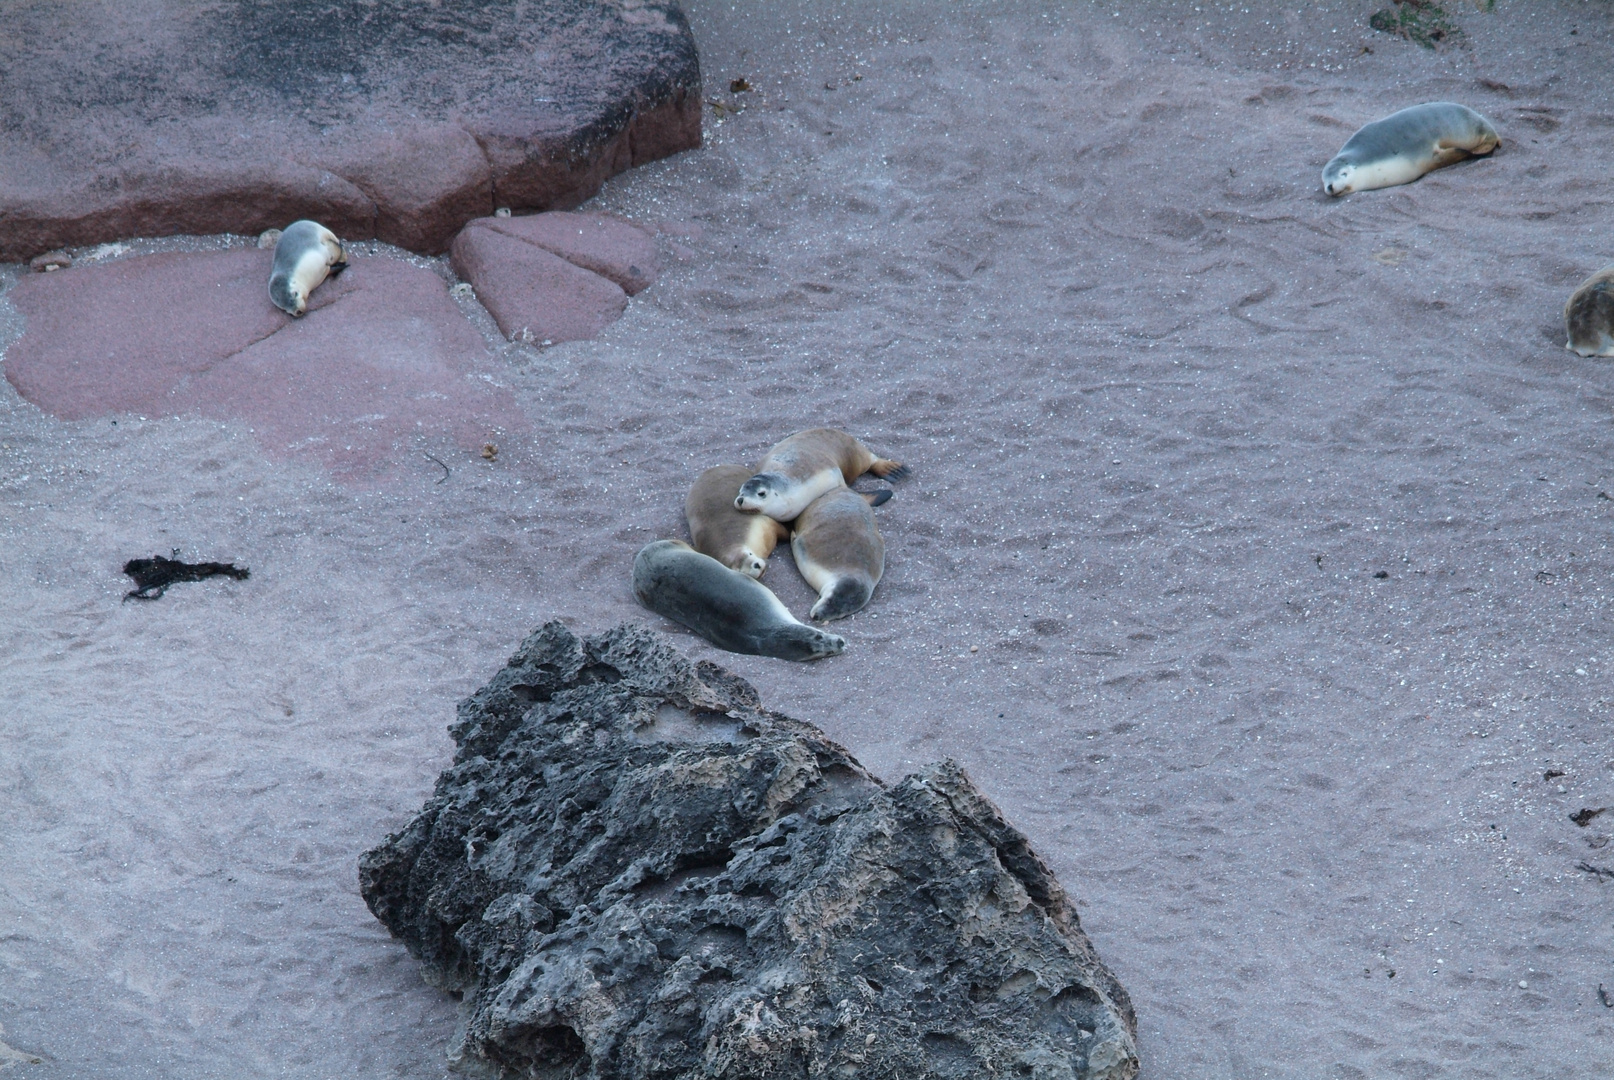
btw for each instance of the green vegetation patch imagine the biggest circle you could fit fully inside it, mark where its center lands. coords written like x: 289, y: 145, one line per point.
x: 1422, y: 22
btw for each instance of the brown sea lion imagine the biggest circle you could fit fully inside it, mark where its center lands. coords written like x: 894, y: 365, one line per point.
x: 804, y: 466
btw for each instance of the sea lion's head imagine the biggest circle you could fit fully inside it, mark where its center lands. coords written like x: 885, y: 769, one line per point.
x: 764, y: 493
x: 1339, y: 176
x: 285, y: 295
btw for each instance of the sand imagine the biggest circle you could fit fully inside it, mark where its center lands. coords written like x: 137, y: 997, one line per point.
x: 1255, y: 561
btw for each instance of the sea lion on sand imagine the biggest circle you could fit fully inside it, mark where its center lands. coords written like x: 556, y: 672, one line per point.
x: 839, y: 551
x: 1405, y: 145
x: 1589, y: 315
x: 723, y: 606
x: 738, y: 540
x: 306, y: 253
x: 804, y: 466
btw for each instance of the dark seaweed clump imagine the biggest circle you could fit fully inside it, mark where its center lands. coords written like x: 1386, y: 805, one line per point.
x: 153, y: 576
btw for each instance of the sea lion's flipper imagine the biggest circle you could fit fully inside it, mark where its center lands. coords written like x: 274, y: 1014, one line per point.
x: 890, y: 470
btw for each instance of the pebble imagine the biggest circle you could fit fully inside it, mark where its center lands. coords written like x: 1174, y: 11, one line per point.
x: 51, y: 260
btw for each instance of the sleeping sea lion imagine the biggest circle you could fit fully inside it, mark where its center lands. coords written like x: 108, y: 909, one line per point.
x: 306, y: 253
x: 723, y: 606
x: 1589, y: 316
x: 738, y: 540
x: 839, y: 551
x: 1405, y: 145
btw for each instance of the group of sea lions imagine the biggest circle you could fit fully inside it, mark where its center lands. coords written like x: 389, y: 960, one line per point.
x: 1405, y: 145
x: 737, y: 516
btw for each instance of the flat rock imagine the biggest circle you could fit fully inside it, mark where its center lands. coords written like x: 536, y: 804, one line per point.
x: 383, y: 360
x: 632, y: 870
x: 394, y: 119
x: 609, y: 246
x: 533, y: 294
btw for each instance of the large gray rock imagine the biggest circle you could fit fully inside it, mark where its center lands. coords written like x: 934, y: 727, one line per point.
x: 633, y: 870
x: 394, y: 119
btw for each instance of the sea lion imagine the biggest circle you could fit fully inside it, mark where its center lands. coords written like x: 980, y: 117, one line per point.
x: 305, y: 254
x: 839, y: 551
x: 804, y: 466
x: 1405, y: 145
x: 723, y: 606
x: 1589, y: 315
x: 738, y: 540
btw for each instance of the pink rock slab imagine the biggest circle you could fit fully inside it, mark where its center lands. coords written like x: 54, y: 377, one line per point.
x: 532, y: 294
x: 382, y: 358
x: 607, y: 245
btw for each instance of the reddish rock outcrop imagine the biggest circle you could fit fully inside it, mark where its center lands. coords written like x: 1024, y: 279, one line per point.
x: 393, y: 119
x: 383, y: 357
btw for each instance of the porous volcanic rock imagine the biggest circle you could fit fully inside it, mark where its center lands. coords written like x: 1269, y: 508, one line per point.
x: 633, y: 870
x: 383, y: 357
x: 394, y: 119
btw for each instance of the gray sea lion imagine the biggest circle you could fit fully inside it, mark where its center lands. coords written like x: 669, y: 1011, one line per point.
x: 738, y: 540
x: 839, y: 551
x: 1589, y: 315
x: 723, y: 606
x: 802, y: 467
x: 1405, y: 145
x: 305, y: 254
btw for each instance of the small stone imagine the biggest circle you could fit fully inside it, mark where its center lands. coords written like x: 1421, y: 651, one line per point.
x: 1523, y: 985
x: 269, y: 238
x: 975, y: 648
x: 51, y: 260
x: 503, y: 211
x: 489, y: 451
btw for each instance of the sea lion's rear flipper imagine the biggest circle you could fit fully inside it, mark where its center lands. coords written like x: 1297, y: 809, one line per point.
x: 886, y: 469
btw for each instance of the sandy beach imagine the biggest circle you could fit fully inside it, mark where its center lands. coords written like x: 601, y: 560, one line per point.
x: 1255, y: 558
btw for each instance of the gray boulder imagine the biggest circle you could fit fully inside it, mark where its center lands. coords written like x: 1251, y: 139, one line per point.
x: 632, y: 869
